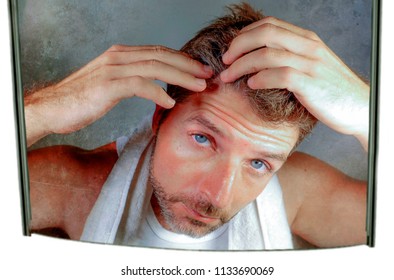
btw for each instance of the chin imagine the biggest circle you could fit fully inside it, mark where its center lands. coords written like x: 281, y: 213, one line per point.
x: 192, y: 227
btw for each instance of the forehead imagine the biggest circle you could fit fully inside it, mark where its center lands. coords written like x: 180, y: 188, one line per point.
x: 230, y: 112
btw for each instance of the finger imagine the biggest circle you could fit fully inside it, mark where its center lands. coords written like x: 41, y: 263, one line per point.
x: 142, y: 87
x: 262, y: 59
x: 284, y: 77
x: 119, y: 54
x: 286, y: 25
x: 99, y: 61
x: 95, y: 63
x: 269, y: 35
x: 88, y: 68
x: 154, y: 70
x: 163, y: 54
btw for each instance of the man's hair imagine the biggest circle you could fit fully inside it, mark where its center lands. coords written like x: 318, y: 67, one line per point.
x: 274, y: 106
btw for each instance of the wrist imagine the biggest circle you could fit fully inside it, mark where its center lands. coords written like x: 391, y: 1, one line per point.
x: 362, y: 131
x: 35, y: 122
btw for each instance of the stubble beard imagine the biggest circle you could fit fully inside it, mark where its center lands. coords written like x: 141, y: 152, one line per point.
x: 185, y: 225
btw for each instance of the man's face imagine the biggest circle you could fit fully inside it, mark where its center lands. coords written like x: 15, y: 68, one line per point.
x: 212, y: 157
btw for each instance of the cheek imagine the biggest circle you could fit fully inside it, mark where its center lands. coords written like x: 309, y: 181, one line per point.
x: 173, y: 164
x: 165, y: 159
x: 246, y: 193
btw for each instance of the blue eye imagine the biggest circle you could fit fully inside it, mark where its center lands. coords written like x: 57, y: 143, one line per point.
x: 257, y: 164
x: 201, y: 139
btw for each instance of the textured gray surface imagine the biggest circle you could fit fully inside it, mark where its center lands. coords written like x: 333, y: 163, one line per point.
x: 59, y: 36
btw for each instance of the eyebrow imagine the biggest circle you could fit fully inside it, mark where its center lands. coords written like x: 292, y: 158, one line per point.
x: 278, y: 157
x: 206, y: 123
x: 209, y: 125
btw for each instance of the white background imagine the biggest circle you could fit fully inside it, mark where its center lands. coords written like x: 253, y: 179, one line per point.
x: 47, y: 258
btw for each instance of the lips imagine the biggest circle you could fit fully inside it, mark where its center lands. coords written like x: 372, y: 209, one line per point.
x: 198, y: 216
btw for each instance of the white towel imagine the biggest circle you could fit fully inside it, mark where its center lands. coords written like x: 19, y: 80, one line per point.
x: 103, y: 221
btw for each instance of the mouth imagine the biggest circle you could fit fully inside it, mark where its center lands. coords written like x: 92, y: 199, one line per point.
x: 198, y: 216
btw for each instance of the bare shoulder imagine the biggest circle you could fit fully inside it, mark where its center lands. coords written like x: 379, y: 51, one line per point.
x: 324, y: 206
x: 64, y: 184
x: 292, y: 177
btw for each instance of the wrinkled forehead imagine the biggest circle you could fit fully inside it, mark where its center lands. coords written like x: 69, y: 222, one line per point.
x: 232, y: 99
x: 228, y: 106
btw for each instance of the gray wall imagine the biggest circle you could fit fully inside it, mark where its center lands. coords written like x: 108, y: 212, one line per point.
x: 60, y: 36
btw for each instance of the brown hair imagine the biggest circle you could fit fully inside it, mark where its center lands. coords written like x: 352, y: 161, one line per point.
x: 275, y: 106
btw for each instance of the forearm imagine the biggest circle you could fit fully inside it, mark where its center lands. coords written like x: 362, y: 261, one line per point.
x: 361, y: 117
x: 35, y: 121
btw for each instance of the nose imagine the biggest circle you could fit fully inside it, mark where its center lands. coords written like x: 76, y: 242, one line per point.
x: 218, y: 184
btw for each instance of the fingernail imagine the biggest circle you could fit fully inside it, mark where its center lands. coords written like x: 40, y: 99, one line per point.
x: 223, y: 75
x: 171, y: 102
x: 225, y: 57
x: 251, y: 83
x: 201, y: 82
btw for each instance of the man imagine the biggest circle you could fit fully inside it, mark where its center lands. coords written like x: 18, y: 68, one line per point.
x: 209, y: 171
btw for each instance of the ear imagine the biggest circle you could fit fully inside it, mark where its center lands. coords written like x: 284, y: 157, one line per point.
x: 156, y: 118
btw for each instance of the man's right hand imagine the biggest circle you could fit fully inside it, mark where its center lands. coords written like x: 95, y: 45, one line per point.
x: 120, y: 72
